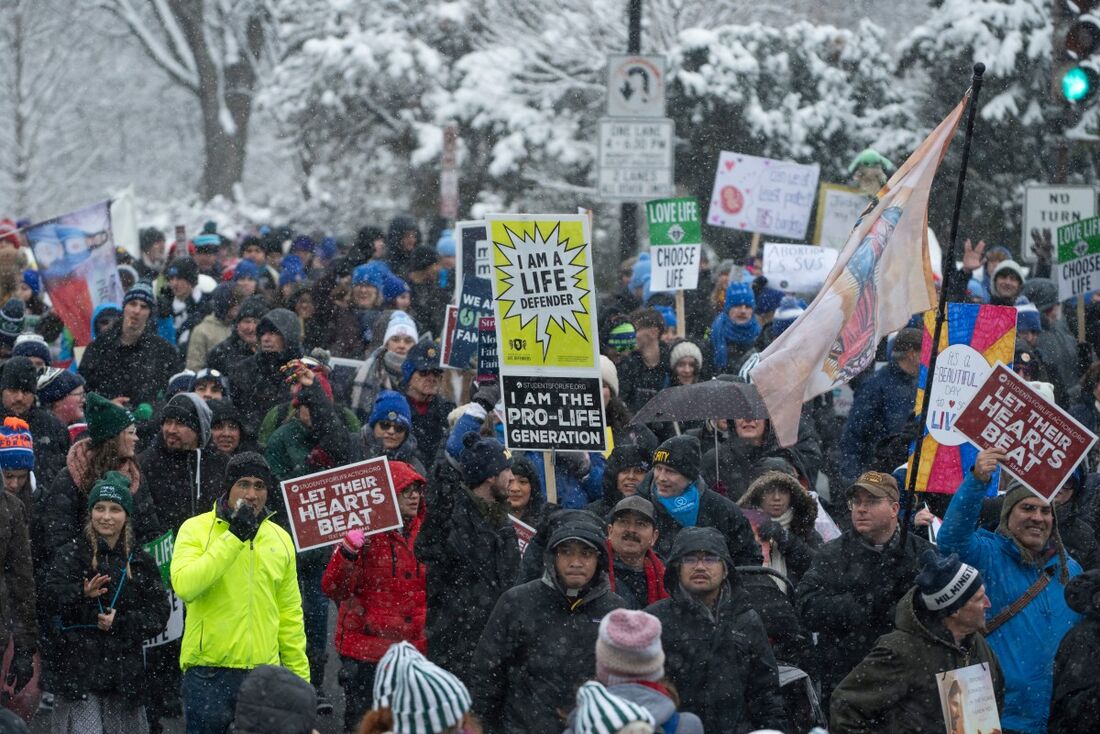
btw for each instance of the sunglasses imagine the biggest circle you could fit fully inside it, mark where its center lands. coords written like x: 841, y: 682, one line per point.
x: 437, y: 373
x: 387, y: 426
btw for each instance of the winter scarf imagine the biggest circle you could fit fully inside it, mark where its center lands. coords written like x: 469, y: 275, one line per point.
x: 724, y: 331
x: 654, y: 576
x: 79, y: 458
x: 684, y: 508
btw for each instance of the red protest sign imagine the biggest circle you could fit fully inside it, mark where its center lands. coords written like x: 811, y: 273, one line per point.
x: 524, y: 532
x: 1044, y: 443
x: 324, y: 506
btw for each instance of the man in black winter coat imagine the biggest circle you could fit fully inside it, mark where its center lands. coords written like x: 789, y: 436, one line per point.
x: 716, y: 648
x: 849, y: 593
x: 257, y: 384
x: 681, y: 499
x: 242, y: 343
x: 470, y: 548
x: 1075, y: 704
x: 129, y: 360
x: 18, y: 386
x: 540, y: 642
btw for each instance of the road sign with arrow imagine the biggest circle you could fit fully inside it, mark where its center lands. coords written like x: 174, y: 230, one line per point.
x: 636, y: 86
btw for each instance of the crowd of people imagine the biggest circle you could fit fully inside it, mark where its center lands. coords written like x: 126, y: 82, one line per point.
x: 695, y: 577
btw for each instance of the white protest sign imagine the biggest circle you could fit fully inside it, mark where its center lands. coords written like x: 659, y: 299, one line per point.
x: 763, y: 195
x: 1077, y: 258
x: 674, y: 238
x: 797, y: 268
x: 968, y: 700
x: 635, y: 158
x: 838, y: 208
x: 1046, y: 208
x: 961, y: 370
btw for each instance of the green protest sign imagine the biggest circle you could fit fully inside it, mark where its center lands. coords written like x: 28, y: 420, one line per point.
x: 675, y: 235
x: 1077, y: 253
x: 161, y: 551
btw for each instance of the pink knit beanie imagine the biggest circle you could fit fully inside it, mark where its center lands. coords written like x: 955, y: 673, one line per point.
x: 629, y: 648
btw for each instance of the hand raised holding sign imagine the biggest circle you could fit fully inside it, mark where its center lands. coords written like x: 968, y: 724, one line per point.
x: 986, y: 463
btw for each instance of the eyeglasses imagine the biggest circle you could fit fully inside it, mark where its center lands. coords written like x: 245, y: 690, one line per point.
x: 707, y: 559
x: 869, y: 502
x: 412, y: 489
x: 388, y: 426
x: 427, y: 373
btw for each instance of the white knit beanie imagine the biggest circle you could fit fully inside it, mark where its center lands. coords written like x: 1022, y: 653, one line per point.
x: 401, y: 324
x: 610, y: 375
x: 686, y: 349
x: 602, y: 712
x: 628, y: 648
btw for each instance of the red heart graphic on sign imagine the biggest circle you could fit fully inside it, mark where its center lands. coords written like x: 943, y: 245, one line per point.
x: 729, y: 165
x: 951, y: 403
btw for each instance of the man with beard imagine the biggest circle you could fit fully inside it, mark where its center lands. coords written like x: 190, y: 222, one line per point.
x: 129, y: 364
x: 185, y: 476
x: 18, y: 385
x: 257, y: 384
x: 470, y: 549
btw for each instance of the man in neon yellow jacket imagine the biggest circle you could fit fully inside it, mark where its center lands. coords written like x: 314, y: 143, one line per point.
x: 235, y: 570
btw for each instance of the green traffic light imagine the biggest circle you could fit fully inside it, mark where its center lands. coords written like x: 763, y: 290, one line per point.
x: 1076, y: 84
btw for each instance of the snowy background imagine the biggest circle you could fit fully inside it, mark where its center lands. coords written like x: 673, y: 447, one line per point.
x: 328, y: 113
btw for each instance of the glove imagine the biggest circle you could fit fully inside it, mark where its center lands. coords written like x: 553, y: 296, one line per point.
x: 244, y: 522
x: 488, y: 395
x: 352, y: 544
x: 22, y: 668
x: 774, y: 532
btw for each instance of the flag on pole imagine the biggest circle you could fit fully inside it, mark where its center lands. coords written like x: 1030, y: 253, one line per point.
x: 881, y: 278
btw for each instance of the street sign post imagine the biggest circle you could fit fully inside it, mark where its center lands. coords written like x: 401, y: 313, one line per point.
x: 636, y: 86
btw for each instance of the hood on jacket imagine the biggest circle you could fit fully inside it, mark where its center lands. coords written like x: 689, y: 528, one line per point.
x: 524, y: 467
x: 1083, y: 593
x: 588, y: 530
x: 622, y: 457
x: 694, y: 540
x: 803, y: 505
x: 284, y: 323
x: 202, y: 413
x: 399, y: 225
x: 100, y: 309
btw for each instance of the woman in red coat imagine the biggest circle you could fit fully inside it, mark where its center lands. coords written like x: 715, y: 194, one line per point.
x: 379, y: 586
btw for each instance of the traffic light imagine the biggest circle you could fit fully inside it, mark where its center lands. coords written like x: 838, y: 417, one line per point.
x: 1079, y: 74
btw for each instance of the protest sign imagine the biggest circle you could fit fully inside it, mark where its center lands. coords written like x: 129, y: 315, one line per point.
x: 762, y: 195
x: 543, y: 293
x: 161, y: 551
x: 524, y: 532
x: 472, y: 240
x: 1047, y: 208
x: 76, y: 260
x: 968, y: 700
x: 675, y: 238
x: 797, y: 268
x: 553, y: 413
x: 838, y: 208
x: 1077, y: 254
x: 475, y: 302
x: 447, y: 338
x: 487, y: 366
x: 757, y: 520
x: 1043, y: 443
x: 974, y: 338
x: 322, y: 507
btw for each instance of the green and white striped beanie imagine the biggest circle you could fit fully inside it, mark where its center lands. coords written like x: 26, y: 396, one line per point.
x: 424, y: 698
x: 602, y: 712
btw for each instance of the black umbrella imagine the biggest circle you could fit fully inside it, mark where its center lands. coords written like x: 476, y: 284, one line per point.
x: 710, y: 400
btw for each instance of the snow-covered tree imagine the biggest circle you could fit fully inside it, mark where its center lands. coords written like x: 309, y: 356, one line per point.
x: 43, y: 134
x: 1016, y: 135
x: 217, y: 50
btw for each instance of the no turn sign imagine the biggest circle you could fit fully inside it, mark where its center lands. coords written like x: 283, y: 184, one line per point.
x: 636, y: 86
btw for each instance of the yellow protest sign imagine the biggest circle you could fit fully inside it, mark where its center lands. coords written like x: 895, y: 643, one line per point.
x: 543, y: 292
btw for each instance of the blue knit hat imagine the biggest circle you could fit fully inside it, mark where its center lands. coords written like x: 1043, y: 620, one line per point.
x: 422, y: 357
x: 739, y: 294
x: 1027, y: 317
x: 480, y: 459
x: 33, y: 281
x: 945, y: 584
x: 302, y: 243
x: 246, y: 269
x: 640, y: 272
x: 668, y: 314
x: 16, y: 444
x: 32, y: 345
x: 445, y: 246
x: 11, y: 320
x: 370, y: 273
x: 790, y: 308
x: 293, y: 270
x: 327, y: 249
x: 768, y: 300
x: 392, y: 287
x: 390, y: 406
x: 54, y: 384
x: 208, y: 240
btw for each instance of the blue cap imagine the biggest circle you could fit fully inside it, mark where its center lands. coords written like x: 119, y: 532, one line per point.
x: 246, y: 269
x: 445, y: 246
x: 739, y: 294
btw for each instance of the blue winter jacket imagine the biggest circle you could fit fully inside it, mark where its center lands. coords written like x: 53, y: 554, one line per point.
x: 1026, y: 643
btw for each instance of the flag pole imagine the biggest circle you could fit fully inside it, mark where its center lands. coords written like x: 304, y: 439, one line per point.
x: 941, y: 309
